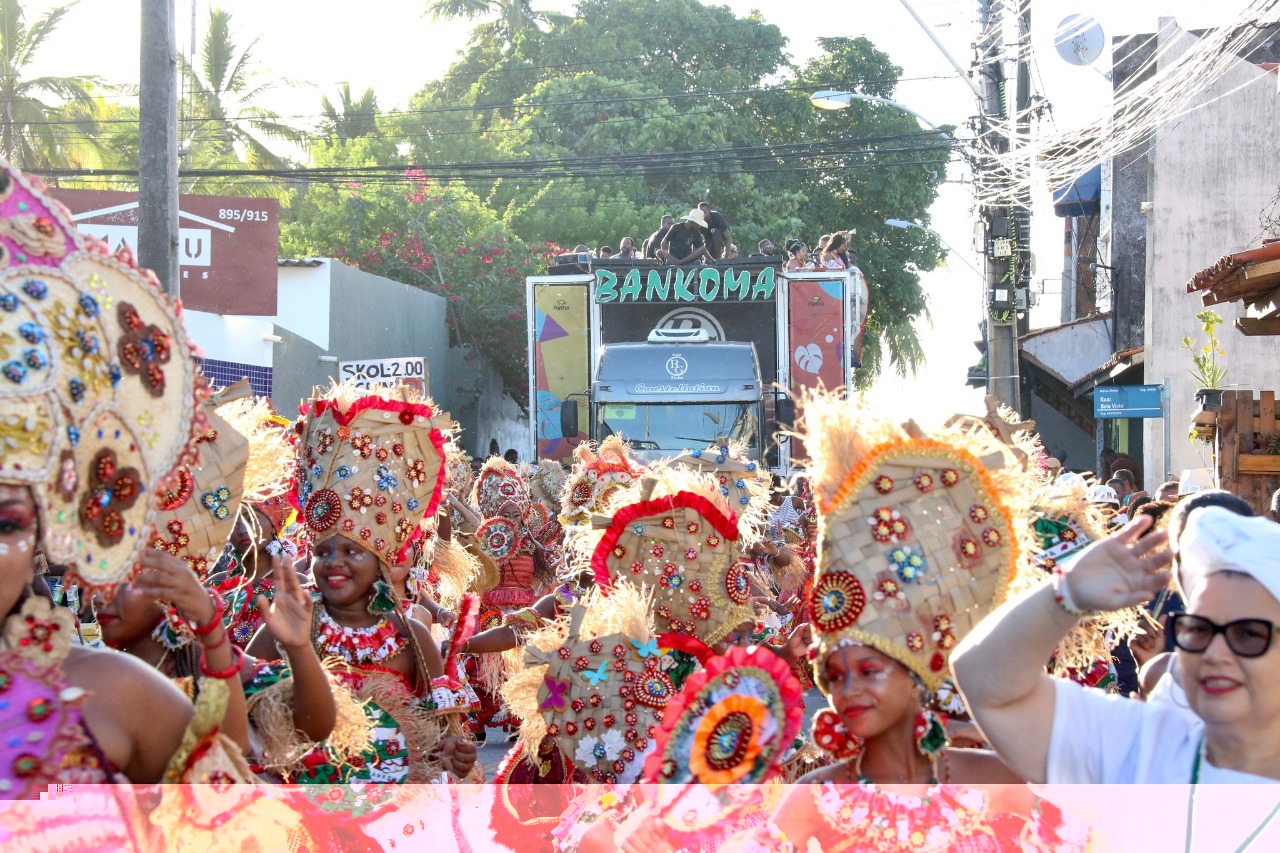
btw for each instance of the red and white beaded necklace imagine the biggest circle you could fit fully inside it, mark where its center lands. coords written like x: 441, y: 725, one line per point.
x: 375, y: 644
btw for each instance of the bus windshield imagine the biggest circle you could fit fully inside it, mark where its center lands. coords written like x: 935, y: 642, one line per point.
x: 679, y: 426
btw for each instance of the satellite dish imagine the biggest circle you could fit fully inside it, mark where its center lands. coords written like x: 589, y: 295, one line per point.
x: 1079, y: 40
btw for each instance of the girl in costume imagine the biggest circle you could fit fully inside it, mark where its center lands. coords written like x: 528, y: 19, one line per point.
x: 919, y: 536
x: 99, y: 405
x: 369, y: 471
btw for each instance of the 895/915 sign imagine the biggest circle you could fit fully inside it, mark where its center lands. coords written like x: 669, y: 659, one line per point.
x: 410, y: 371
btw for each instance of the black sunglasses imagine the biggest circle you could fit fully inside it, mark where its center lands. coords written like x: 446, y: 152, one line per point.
x: 1247, y: 638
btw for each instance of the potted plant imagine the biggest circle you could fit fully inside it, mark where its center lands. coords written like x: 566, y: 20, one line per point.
x: 1207, y: 372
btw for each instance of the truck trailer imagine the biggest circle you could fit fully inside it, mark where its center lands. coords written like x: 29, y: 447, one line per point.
x: 676, y: 358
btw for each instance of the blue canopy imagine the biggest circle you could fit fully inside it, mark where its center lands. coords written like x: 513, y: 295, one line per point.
x: 1081, y: 196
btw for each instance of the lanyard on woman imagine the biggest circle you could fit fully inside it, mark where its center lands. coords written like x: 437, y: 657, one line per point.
x: 1191, y: 804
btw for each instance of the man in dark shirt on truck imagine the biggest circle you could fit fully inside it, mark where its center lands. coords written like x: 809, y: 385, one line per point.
x: 654, y: 243
x: 684, y: 243
x: 716, y: 234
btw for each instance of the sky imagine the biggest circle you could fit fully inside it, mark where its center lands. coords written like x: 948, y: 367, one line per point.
x: 393, y: 47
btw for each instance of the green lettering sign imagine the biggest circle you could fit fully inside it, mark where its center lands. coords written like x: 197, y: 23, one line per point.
x: 606, y: 286
x: 630, y: 287
x: 683, y: 293
x: 658, y: 289
x: 737, y: 284
x: 709, y: 284
x: 697, y: 284
x: 764, y: 284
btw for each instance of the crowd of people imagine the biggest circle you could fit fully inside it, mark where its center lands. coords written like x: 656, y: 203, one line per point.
x: 197, y: 589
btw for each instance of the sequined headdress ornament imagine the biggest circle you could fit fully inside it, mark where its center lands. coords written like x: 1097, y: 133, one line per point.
x: 98, y: 388
x: 198, y: 509
x: 370, y: 467
x: 597, y: 682
x: 498, y: 484
x: 919, y: 535
x: 742, y: 482
x: 596, y: 477
x: 677, y: 534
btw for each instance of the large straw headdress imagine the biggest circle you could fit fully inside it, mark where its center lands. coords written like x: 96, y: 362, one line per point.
x: 676, y: 533
x: 919, y: 535
x: 743, y: 484
x: 370, y: 467
x: 98, y: 388
x: 597, y: 476
x: 597, y: 682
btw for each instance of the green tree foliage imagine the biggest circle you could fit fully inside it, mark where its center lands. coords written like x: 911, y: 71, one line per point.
x: 437, y: 237
x: 224, y: 122
x: 351, y: 117
x: 44, y: 121
x: 590, y: 128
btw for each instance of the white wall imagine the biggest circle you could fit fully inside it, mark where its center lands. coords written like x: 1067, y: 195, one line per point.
x: 230, y: 338
x: 1213, y: 171
x: 302, y: 302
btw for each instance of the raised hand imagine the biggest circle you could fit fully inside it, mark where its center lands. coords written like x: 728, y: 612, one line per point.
x: 171, y: 580
x: 288, y: 615
x: 1122, y: 570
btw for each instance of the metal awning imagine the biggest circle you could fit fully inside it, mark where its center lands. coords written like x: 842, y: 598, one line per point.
x: 1081, y: 197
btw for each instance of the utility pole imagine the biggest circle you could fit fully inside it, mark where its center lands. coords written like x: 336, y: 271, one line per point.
x: 1002, y: 231
x: 158, y: 151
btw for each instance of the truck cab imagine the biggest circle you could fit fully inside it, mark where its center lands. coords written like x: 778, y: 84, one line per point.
x: 675, y: 391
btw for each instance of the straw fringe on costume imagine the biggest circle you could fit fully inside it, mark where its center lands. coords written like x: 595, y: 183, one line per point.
x: 271, y: 712
x: 456, y: 569
x: 422, y: 732
x: 618, y: 619
x: 271, y: 461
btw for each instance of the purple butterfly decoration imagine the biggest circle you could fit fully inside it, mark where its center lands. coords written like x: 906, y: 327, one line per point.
x: 555, y: 695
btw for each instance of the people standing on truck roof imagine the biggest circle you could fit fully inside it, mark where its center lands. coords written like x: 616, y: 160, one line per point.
x: 716, y: 231
x: 797, y: 255
x: 604, y: 253
x: 626, y: 249
x: 684, y: 243
x: 831, y: 256
x: 764, y: 249
x: 657, y: 238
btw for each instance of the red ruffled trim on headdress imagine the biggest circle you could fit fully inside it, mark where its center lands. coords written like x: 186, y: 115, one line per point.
x: 407, y: 412
x: 726, y: 526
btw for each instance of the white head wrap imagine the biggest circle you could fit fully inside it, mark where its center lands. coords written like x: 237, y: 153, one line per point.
x: 1218, y: 540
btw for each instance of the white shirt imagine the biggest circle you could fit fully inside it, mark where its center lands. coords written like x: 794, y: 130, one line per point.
x: 1100, y: 738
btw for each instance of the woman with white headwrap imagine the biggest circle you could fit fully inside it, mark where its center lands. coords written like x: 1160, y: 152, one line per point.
x: 1053, y: 730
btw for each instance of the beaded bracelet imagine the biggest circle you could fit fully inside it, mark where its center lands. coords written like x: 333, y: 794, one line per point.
x: 237, y: 659
x: 1062, y: 595
x: 215, y: 622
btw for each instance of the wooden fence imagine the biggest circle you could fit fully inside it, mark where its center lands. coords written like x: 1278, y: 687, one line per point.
x: 1246, y: 433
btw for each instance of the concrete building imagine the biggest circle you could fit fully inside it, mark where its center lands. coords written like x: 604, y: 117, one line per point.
x: 1212, y: 175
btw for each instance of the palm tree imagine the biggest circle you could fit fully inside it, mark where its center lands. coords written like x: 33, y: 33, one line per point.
x: 350, y: 119
x: 44, y: 121
x: 513, y: 16
x: 222, y: 118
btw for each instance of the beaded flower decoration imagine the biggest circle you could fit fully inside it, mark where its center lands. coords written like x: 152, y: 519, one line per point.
x: 742, y: 482
x: 198, y: 509
x: 731, y: 723
x: 680, y: 541
x: 918, y: 539
x: 98, y: 387
x: 370, y: 467
x: 601, y: 696
x: 596, y: 478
